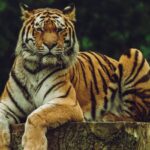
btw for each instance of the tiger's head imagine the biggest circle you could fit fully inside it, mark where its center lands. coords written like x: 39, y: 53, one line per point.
x: 48, y: 36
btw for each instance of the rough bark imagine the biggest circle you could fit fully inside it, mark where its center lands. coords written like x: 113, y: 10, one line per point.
x: 93, y: 136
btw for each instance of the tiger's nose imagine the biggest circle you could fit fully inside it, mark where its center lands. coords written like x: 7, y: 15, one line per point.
x: 50, y: 39
x: 50, y: 46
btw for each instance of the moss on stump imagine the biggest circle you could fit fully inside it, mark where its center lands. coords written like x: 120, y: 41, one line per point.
x: 92, y: 136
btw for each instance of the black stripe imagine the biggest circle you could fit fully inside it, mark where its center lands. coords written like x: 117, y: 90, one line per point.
x: 15, y: 103
x: 138, y: 92
x: 134, y: 66
x: 127, y: 53
x: 83, y: 72
x: 103, y: 81
x: 29, y: 39
x: 23, y: 32
x: 30, y: 22
x: 143, y: 94
x: 130, y: 91
x: 129, y: 101
x: 33, y: 31
x: 129, y: 113
x: 75, y: 82
x: 113, y: 93
x: 102, y: 65
x: 114, y: 78
x: 44, y: 79
x: 75, y: 78
x: 23, y: 88
x: 71, y: 30
x: 111, y: 66
x: 60, y: 76
x: 137, y: 72
x: 93, y: 102
x: 42, y: 18
x: 31, y: 71
x: 81, y: 54
x: 105, y: 103
x: 131, y: 108
x: 120, y: 67
x: 143, y: 79
x: 60, y: 86
x: 73, y: 36
x: 69, y: 37
x: 27, y: 32
x: 55, y: 17
x: 93, y: 72
x: 79, y: 76
x: 14, y: 118
x: 51, y: 88
x: 73, y: 75
x: 11, y: 113
x: 67, y: 93
x: 140, y: 108
x: 46, y: 14
x: 147, y: 102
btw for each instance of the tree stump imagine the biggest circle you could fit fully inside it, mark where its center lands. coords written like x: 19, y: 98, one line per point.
x: 92, y: 136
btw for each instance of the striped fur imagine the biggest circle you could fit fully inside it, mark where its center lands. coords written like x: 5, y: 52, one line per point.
x: 128, y: 93
x: 28, y: 90
x: 51, y: 82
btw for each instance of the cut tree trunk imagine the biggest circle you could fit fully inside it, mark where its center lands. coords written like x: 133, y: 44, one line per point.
x: 92, y: 136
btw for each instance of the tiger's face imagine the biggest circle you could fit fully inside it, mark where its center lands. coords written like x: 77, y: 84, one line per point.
x: 48, y: 36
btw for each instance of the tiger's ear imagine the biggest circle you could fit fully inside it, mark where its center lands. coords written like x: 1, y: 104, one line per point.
x: 24, y: 11
x: 70, y: 12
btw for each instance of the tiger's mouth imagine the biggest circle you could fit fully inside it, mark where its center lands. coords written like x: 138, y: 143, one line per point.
x: 58, y: 53
x: 58, y: 58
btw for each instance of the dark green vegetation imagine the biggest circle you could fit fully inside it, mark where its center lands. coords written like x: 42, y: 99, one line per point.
x: 109, y: 27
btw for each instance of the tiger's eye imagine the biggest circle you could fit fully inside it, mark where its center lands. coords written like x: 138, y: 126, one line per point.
x: 37, y: 24
x: 39, y: 30
x: 23, y: 45
x: 59, y: 29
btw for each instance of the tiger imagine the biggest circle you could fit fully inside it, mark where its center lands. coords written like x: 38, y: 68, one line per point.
x: 51, y: 82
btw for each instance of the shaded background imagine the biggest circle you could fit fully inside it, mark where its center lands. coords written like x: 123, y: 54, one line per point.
x: 106, y: 26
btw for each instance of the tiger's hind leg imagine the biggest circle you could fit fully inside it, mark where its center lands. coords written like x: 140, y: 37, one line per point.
x: 128, y: 94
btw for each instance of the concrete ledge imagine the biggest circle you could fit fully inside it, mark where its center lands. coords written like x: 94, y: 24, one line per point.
x: 93, y: 136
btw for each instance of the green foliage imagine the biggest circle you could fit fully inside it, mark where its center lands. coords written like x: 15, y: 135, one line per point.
x: 108, y: 27
x: 3, y: 5
x: 86, y: 43
x: 50, y: 1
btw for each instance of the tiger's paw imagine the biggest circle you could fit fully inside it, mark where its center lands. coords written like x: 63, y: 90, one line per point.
x: 4, y: 148
x: 34, y: 143
x: 4, y: 135
x: 34, y: 146
x: 34, y: 139
x: 4, y: 140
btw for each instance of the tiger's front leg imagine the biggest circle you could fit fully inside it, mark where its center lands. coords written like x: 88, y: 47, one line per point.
x: 4, y: 133
x: 7, y: 118
x: 52, y: 114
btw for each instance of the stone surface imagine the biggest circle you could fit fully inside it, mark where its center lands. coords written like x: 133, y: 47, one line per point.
x: 93, y: 136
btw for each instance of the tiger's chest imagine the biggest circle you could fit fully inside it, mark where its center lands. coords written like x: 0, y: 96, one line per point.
x: 42, y: 85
